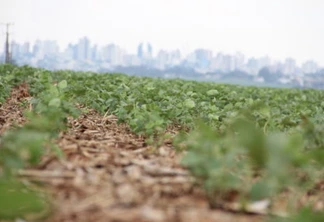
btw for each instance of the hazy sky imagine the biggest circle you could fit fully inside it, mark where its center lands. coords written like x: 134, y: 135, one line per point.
x: 278, y: 28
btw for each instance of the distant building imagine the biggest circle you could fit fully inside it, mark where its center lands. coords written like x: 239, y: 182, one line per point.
x: 203, y: 57
x: 175, y: 57
x: 216, y: 62
x: 255, y: 65
x: 310, y: 67
x: 264, y: 62
x: 93, y: 53
x: 239, y: 61
x: 46, y: 48
x: 289, y: 67
x: 132, y: 60
x: 145, y: 51
x: 70, y: 53
x: 83, y: 49
x: 25, y: 49
x: 232, y: 63
x: 113, y: 54
x: 50, y: 48
x: 223, y: 63
x: 37, y: 49
x: 228, y: 64
x: 15, y: 50
x: 162, y: 59
x: 19, y: 50
x: 83, y: 56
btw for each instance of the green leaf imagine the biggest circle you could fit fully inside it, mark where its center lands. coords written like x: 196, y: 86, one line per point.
x: 56, y: 102
x: 189, y: 103
x: 213, y: 116
x: 17, y: 200
x: 62, y: 84
x: 260, y: 190
x: 212, y: 92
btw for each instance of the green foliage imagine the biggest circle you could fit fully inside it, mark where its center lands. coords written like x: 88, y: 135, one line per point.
x: 254, y: 141
x: 21, y: 147
x: 24, y: 146
x: 7, y: 80
x: 18, y: 200
x: 305, y: 214
x: 140, y: 101
x: 254, y: 164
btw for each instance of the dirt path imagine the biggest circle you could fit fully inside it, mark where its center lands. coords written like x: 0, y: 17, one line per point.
x: 11, y: 111
x: 110, y: 174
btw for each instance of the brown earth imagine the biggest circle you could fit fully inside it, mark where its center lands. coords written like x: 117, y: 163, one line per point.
x: 109, y: 174
x: 11, y: 112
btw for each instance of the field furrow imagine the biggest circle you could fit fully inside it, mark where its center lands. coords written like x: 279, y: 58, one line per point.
x: 109, y: 147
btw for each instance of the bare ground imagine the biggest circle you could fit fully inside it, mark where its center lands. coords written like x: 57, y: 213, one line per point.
x: 109, y: 174
x: 11, y: 112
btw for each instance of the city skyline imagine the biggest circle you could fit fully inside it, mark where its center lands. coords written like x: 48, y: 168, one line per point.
x: 202, y: 60
x: 200, y: 64
x: 154, y: 52
x: 278, y: 29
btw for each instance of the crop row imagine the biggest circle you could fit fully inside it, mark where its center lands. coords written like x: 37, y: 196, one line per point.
x: 254, y: 141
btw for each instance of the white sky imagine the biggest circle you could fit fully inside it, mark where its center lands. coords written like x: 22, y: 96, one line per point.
x: 278, y: 28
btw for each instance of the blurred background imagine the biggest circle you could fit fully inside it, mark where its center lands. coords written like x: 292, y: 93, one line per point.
x: 258, y: 42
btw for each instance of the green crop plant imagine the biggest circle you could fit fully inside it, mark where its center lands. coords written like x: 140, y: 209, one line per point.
x: 247, y: 142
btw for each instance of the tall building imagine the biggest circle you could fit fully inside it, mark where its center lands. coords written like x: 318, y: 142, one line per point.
x: 20, y: 50
x: 93, y: 53
x: 25, y: 48
x: 45, y: 48
x: 222, y: 62
x: 2, y: 59
x: 144, y: 51
x: 83, y: 49
x: 253, y: 65
x: 239, y: 61
x: 162, y: 59
x: 15, y: 50
x: 175, y: 57
x: 232, y: 61
x: 70, y: 52
x: 37, y: 49
x: 113, y: 54
x: 190, y: 60
x: 203, y: 57
x: 50, y: 48
x: 264, y: 62
x: 132, y: 60
x: 166, y: 59
x: 216, y: 62
x: 309, y: 67
x: 289, y: 66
